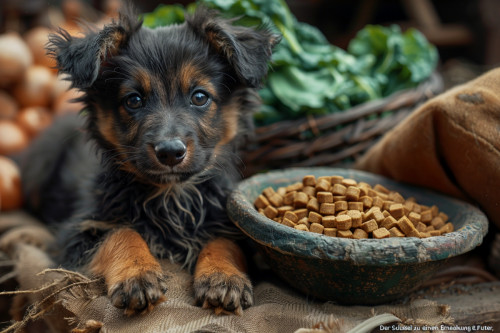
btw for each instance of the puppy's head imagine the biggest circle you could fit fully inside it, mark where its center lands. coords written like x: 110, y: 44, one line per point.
x: 167, y: 104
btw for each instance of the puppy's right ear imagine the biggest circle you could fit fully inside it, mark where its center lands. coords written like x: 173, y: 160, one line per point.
x: 82, y: 57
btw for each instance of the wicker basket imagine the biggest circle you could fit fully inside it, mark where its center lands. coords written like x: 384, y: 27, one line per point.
x: 334, y: 138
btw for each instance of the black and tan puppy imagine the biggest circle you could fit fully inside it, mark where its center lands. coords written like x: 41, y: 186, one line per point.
x: 166, y: 108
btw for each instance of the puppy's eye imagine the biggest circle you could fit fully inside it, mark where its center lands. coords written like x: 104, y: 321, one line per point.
x: 134, y: 101
x: 199, y: 98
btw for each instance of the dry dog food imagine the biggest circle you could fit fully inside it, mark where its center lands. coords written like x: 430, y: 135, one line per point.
x: 341, y: 207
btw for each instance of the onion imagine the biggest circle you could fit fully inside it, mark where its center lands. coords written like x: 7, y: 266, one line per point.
x: 10, y: 185
x: 36, y: 87
x: 12, y: 138
x: 37, y: 39
x: 8, y: 106
x: 15, y: 58
x: 34, y: 119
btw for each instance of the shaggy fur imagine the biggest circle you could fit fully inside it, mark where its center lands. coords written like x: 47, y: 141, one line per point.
x: 190, y: 88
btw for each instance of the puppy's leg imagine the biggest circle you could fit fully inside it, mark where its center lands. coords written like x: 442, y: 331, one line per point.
x: 220, y: 281
x: 134, y: 278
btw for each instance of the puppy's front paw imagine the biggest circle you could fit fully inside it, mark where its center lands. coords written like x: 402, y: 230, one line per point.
x: 223, y: 293
x: 139, y: 294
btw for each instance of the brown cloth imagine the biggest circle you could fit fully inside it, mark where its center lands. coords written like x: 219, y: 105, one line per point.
x: 450, y: 144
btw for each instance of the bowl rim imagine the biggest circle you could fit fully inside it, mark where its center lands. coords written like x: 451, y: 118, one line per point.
x: 388, y: 251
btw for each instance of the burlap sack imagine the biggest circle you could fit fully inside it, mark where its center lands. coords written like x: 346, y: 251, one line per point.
x: 450, y: 144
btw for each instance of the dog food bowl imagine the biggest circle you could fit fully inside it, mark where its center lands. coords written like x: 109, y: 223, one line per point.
x: 353, y: 271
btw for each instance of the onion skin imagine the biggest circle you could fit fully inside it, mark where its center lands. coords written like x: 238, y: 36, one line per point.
x: 12, y: 138
x: 10, y: 185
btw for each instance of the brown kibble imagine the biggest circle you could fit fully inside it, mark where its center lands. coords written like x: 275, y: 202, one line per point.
x: 324, y: 197
x: 352, y: 193
x: 406, y: 226
x: 355, y: 205
x: 443, y: 216
x: 332, y: 232
x: 448, y: 227
x: 301, y: 199
x: 302, y: 227
x: 313, y: 205
x: 295, y: 187
x: 348, y: 182
x: 395, y: 232
x: 309, y: 180
x: 301, y: 213
x: 288, y: 223
x: 261, y: 202
x: 336, y: 180
x: 414, y: 233
x: 288, y: 198
x: 327, y: 179
x: 268, y: 192
x: 309, y: 190
x: 344, y: 222
x: 304, y: 221
x: 414, y: 218
x: 356, y: 218
x: 322, y: 185
x: 369, y: 225
x: 283, y: 209
x: 344, y: 233
x: 317, y: 228
x: 281, y: 191
x: 291, y: 216
x: 378, y: 202
x: 381, y: 188
x: 367, y: 201
x: 437, y: 222
x: 359, y: 234
x: 396, y: 210
x: 421, y: 227
x: 396, y: 197
x: 341, y: 205
x: 270, y: 212
x: 339, y: 189
x: 327, y: 208
x: 434, y: 233
x: 329, y: 221
x: 276, y: 200
x: 389, y: 222
x: 315, y: 217
x: 339, y: 198
x: 381, y: 233
x: 426, y: 216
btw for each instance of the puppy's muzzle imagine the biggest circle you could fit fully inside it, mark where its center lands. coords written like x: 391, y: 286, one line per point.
x: 170, y: 152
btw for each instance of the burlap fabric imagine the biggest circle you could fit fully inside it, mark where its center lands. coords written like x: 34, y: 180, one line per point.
x: 450, y: 144
x: 66, y: 300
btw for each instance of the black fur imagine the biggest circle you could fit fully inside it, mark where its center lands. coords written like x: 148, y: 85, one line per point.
x: 176, y: 209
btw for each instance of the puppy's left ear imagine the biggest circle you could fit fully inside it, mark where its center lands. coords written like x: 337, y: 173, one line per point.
x: 247, y: 50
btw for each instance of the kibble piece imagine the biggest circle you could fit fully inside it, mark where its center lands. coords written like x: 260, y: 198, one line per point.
x: 341, y: 205
x: 288, y: 223
x: 329, y: 221
x: 414, y: 218
x: 271, y: 212
x: 309, y: 190
x: 395, y: 232
x: 434, y: 233
x: 332, y: 232
x: 381, y: 233
x: 317, y: 228
x: 448, y: 227
x: 336, y: 179
x: 322, y: 185
x: 315, y: 217
x: 416, y: 208
x: 389, y: 222
x: 378, y: 202
x: 426, y: 216
x: 434, y: 211
x: 301, y: 199
x: 261, y: 202
x: 381, y: 188
x: 301, y: 213
x: 344, y: 233
x: 313, y: 205
x: 443, y: 216
x: 349, y: 182
x: 324, y: 197
x: 327, y: 208
x: 302, y: 227
x: 352, y: 193
x: 367, y: 201
x: 344, y: 222
x: 396, y: 210
x: 291, y: 216
x: 375, y: 213
x: 406, y: 226
x: 359, y: 234
x: 369, y: 225
x: 396, y: 197
x: 414, y: 233
x: 356, y: 218
x: 283, y: 209
x: 437, y: 222
x: 327, y: 179
x: 421, y: 227
x: 339, y: 189
x: 309, y: 180
x: 339, y: 198
x: 268, y: 191
x: 276, y: 200
x: 295, y: 187
x: 281, y: 191
x: 387, y: 205
x: 288, y: 198
x: 355, y: 205
x: 304, y: 221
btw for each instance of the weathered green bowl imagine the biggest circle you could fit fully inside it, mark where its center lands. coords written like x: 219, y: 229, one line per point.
x: 350, y: 271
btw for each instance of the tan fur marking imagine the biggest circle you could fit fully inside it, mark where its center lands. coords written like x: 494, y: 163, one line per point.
x: 220, y: 255
x: 123, y: 255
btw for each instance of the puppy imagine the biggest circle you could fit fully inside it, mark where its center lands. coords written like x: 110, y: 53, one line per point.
x: 166, y: 109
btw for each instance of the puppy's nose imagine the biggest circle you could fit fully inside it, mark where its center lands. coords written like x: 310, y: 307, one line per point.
x: 170, y: 152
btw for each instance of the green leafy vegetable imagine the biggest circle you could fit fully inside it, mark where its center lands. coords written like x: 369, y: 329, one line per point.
x: 311, y: 76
